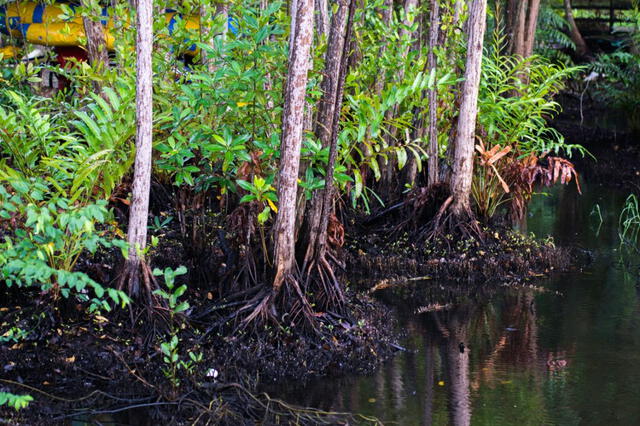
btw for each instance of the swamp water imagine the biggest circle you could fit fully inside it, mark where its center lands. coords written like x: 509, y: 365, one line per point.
x: 565, y: 353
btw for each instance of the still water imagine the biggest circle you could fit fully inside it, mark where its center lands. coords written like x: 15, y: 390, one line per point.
x: 564, y: 354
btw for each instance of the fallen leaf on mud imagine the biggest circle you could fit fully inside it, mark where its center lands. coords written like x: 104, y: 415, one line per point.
x: 100, y: 319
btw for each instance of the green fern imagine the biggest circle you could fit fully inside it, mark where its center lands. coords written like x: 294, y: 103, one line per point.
x: 552, y: 38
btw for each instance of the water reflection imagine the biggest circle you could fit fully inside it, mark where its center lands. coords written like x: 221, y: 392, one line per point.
x: 564, y: 356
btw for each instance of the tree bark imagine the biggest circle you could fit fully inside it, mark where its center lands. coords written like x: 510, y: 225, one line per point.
x: 517, y: 46
x: 462, y: 173
x: 322, y: 17
x: 532, y: 24
x: 522, y: 21
x: 581, y: 46
x: 457, y: 12
x: 292, y: 132
x: 326, y: 128
x: 433, y: 151
x: 96, y: 44
x: 139, y: 211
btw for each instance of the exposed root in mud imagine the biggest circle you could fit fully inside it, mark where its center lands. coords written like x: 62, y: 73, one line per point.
x: 134, y: 274
x: 447, y: 222
x: 321, y: 278
x: 233, y: 404
x: 290, y: 298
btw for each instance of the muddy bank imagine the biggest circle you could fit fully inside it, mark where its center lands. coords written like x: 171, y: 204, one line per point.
x: 503, y: 256
x: 83, y: 368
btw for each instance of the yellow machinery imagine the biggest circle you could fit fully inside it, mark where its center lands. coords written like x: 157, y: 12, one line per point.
x: 58, y: 26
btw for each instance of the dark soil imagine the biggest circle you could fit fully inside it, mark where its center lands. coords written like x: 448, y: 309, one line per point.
x: 503, y: 256
x: 88, y: 368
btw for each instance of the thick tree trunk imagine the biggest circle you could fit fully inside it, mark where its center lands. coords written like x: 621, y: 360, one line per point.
x: 433, y: 151
x: 139, y: 212
x: 581, y: 46
x: 96, y: 44
x: 462, y: 173
x: 326, y: 127
x: 292, y: 132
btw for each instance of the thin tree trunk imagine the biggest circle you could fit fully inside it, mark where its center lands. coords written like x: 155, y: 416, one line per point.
x: 222, y: 10
x: 96, y: 44
x: 462, y: 173
x: 519, y: 26
x: 386, y: 15
x: 457, y: 12
x: 322, y: 17
x: 326, y: 128
x: 139, y: 212
x: 410, y: 7
x: 292, y: 132
x: 581, y: 46
x: 433, y: 151
x: 532, y: 24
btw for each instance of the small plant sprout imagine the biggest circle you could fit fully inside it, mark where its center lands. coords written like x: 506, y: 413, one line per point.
x: 171, y: 348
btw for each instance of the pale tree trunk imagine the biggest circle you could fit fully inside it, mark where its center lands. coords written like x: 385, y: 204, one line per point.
x: 292, y: 133
x: 293, y: 13
x: 462, y: 173
x: 322, y: 17
x: 410, y: 7
x: 96, y: 44
x: 326, y: 129
x: 139, y: 210
x: 222, y: 14
x: 457, y: 12
x: 433, y: 151
x: 576, y: 36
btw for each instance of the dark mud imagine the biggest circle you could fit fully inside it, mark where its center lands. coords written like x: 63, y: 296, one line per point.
x: 504, y: 255
x: 89, y: 367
